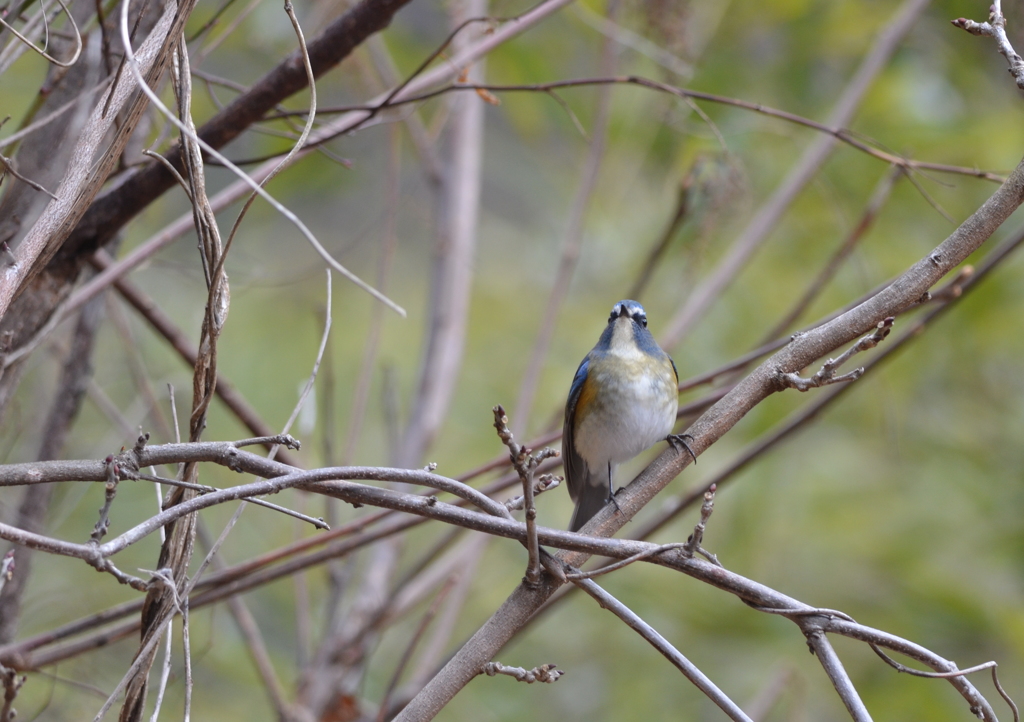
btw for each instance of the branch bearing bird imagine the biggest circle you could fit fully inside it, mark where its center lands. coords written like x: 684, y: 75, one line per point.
x: 622, y: 401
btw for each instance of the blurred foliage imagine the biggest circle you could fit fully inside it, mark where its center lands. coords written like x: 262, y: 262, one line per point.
x: 901, y: 506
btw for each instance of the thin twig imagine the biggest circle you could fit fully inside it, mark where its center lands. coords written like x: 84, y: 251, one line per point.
x: 311, y: 79
x: 100, y: 530
x: 31, y: 46
x: 572, y: 242
x: 646, y: 554
x: 6, y: 570
x: 165, y: 672
x: 996, y: 28
x: 414, y: 641
x: 651, y: 635
x: 545, y: 673
x: 878, y: 198
x: 8, y: 167
x: 826, y: 374
x: 525, y: 462
x: 245, y: 178
x: 844, y: 135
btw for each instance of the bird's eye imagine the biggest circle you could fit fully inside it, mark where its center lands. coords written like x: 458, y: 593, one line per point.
x: 641, y: 318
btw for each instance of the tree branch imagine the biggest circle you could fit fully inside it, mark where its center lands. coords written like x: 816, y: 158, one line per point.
x: 903, y: 293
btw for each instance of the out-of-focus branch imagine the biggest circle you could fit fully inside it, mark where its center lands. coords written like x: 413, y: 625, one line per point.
x: 465, y: 558
x: 67, y: 401
x: 138, y: 189
x: 340, y: 663
x: 452, y: 266
x: 254, y: 642
x: 164, y: 326
x: 769, y: 214
x: 84, y: 176
x: 679, y: 216
x: 572, y: 243
x: 141, y: 187
x: 874, y: 207
x: 906, y: 291
x: 387, y: 255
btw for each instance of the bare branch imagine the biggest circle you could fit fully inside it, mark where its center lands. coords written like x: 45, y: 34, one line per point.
x: 8, y: 167
x: 768, y: 215
x: 822, y: 649
x: 12, y: 683
x: 6, y: 570
x: 844, y: 135
x: 753, y: 593
x: 82, y: 180
x: 545, y: 673
x: 74, y: 26
x: 451, y: 275
x: 996, y: 28
x: 100, y: 530
x: 651, y: 635
x: 826, y: 375
x: 903, y: 293
x: 573, y: 240
x: 525, y: 462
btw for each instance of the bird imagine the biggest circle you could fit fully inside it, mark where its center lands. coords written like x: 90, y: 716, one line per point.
x: 623, y: 400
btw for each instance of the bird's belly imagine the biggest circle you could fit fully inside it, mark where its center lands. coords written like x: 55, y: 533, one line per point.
x: 626, y: 419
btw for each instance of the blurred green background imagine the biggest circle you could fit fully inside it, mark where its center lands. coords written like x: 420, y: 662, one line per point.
x: 900, y: 506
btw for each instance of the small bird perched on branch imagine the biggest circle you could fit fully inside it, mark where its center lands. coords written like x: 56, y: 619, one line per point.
x: 623, y: 400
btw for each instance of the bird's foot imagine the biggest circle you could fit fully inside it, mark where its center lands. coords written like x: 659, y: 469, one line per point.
x: 678, y: 442
x: 616, y: 501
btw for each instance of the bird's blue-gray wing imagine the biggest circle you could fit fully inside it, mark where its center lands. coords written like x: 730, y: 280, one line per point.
x: 575, y: 467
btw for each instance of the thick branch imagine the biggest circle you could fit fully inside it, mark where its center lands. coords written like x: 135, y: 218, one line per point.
x: 904, y: 292
x: 86, y: 173
x: 140, y: 188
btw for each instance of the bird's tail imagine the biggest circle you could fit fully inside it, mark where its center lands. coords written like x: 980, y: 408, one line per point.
x: 593, y: 496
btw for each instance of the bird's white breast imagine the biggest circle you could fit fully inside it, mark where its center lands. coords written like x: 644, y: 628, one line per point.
x: 634, y: 408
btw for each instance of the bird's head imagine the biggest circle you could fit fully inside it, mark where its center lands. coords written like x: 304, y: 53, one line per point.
x: 627, y: 325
